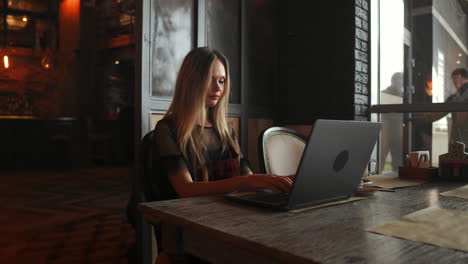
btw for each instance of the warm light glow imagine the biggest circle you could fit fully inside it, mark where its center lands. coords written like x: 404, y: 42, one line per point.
x: 71, y: 6
x: 69, y: 21
x: 428, y: 88
x: 117, y: 62
x: 47, y: 66
x: 16, y: 22
x: 459, y: 54
x: 6, y: 62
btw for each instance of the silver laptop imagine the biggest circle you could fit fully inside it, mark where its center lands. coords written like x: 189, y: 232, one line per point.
x: 330, y: 169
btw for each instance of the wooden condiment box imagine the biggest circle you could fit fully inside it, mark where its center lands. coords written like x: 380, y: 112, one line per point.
x: 418, y: 173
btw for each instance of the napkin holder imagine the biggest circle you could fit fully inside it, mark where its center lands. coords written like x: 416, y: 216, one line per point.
x: 454, y: 164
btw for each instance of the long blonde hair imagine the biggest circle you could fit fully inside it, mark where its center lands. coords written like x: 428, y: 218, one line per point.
x: 188, y: 108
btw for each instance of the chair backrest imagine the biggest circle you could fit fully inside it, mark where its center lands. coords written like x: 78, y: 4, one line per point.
x: 280, y: 150
x: 144, y: 190
x: 140, y: 191
x: 146, y: 185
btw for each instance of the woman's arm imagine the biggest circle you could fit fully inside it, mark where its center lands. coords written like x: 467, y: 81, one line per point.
x: 186, y: 187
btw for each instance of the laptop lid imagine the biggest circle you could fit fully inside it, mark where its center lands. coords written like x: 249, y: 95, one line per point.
x: 330, y: 169
x: 333, y: 161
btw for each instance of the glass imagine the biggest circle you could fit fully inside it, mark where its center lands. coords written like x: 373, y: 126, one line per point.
x: 429, y: 131
x: 392, y: 52
x: 223, y: 34
x: 173, y: 37
x: 438, y: 40
x: 436, y: 131
x: 416, y: 60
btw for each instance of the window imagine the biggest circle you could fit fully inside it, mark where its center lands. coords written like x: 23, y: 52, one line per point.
x: 172, y: 23
x: 416, y: 46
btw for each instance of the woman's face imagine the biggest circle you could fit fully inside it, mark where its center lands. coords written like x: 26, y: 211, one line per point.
x: 216, y: 86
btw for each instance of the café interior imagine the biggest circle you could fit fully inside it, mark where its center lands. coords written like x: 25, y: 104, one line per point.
x: 83, y: 81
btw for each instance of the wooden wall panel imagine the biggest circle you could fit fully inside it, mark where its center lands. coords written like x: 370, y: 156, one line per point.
x: 154, y: 119
x: 235, y: 123
x: 255, y: 126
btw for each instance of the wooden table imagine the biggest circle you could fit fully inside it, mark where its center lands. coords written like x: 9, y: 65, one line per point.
x: 222, y: 231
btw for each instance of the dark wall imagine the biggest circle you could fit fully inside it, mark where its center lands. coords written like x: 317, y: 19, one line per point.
x: 261, y: 57
x: 41, y: 143
x: 223, y: 32
x: 318, y: 75
x: 422, y: 53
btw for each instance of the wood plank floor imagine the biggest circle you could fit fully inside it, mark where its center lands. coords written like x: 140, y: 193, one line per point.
x: 65, y: 216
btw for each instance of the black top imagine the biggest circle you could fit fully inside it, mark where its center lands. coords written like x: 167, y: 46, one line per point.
x: 168, y: 157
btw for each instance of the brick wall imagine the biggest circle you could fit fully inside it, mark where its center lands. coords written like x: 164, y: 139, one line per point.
x: 362, y: 56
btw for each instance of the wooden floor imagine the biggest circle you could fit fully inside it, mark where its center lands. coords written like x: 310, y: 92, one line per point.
x: 65, y: 216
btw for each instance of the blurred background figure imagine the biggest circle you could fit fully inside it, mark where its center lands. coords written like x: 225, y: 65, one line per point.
x: 458, y: 130
x: 392, y: 129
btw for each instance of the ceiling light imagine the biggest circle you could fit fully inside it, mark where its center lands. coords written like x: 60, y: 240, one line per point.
x: 6, y: 61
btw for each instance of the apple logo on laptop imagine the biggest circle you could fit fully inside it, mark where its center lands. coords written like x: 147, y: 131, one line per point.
x: 341, y: 160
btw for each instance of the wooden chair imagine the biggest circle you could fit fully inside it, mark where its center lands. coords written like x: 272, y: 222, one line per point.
x: 144, y: 190
x: 280, y: 150
x: 148, y: 187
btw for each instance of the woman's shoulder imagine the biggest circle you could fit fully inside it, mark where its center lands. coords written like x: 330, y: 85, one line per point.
x: 165, y: 123
x: 165, y: 137
x: 165, y: 126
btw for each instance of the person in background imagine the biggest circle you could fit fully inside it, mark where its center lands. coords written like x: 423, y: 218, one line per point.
x: 459, y: 130
x: 459, y: 126
x: 460, y: 81
x: 392, y: 124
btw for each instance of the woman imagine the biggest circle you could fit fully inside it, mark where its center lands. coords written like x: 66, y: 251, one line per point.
x: 198, y: 153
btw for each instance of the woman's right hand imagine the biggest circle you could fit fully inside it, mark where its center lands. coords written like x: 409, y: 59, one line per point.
x: 267, y: 181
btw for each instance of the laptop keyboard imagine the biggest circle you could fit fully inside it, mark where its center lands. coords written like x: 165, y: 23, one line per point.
x: 271, y: 198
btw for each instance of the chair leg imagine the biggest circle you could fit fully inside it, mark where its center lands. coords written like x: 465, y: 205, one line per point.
x: 163, y: 258
x: 144, y: 242
x: 154, y: 246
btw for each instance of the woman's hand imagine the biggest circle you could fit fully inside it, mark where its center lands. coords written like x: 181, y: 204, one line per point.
x: 267, y: 181
x: 184, y: 186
